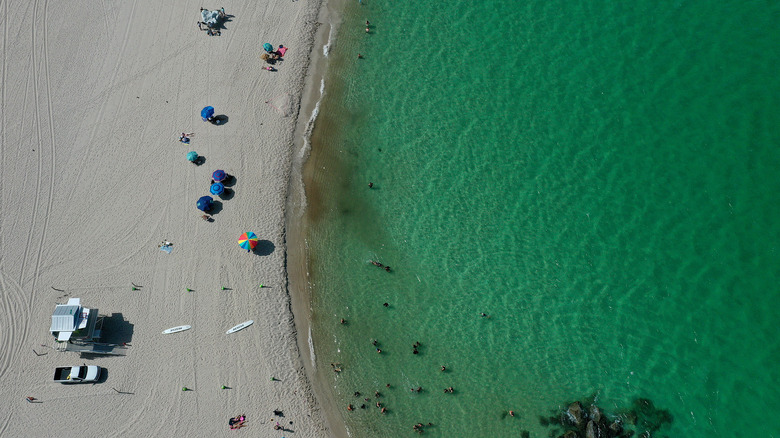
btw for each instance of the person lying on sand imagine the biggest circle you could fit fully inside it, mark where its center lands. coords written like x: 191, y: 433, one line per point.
x: 237, y: 422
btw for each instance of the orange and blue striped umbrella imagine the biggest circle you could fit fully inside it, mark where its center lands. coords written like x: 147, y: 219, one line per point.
x: 248, y: 241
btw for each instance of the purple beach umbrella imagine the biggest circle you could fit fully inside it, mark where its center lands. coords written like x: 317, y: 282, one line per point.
x: 219, y: 175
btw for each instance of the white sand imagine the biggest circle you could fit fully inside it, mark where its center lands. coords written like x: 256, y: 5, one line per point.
x: 94, y: 96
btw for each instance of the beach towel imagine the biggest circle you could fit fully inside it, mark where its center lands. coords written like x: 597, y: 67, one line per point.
x: 282, y: 50
x: 209, y: 17
x: 167, y: 249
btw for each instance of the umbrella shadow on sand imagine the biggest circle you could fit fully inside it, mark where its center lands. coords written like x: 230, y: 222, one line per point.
x: 216, y: 207
x: 227, y: 194
x: 264, y: 248
x: 220, y: 120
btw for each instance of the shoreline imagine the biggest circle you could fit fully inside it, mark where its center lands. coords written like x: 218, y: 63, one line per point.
x: 296, y: 220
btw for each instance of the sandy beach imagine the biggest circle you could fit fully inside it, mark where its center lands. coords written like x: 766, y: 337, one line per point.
x: 94, y: 98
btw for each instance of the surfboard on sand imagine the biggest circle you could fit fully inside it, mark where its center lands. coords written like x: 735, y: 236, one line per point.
x: 241, y: 326
x: 180, y: 328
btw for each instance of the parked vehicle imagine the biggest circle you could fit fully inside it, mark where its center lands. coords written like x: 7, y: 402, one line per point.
x: 77, y: 374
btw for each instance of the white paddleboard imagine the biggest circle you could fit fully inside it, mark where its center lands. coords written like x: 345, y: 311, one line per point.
x: 241, y: 326
x: 180, y: 328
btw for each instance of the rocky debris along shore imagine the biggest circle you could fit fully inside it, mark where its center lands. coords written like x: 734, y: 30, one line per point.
x: 641, y: 418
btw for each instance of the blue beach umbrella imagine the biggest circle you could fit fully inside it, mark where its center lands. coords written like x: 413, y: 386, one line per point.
x: 205, y: 203
x: 217, y: 188
x: 268, y: 47
x: 192, y: 156
x: 207, y: 112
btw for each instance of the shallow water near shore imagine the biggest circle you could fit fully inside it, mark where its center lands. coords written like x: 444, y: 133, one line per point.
x: 601, y: 182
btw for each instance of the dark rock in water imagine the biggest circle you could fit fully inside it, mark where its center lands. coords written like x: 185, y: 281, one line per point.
x: 591, y: 430
x: 651, y: 418
x: 644, y: 405
x: 574, y: 415
x: 596, y: 430
x: 525, y: 434
x: 593, y: 423
x: 616, y: 428
x: 595, y: 413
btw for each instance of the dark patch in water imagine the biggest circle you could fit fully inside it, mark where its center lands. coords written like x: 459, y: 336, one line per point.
x: 584, y: 419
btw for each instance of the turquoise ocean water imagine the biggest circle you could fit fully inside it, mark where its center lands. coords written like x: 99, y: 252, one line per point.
x: 600, y: 178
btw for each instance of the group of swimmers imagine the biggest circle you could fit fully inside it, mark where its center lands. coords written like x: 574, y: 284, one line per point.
x: 377, y: 394
x: 419, y: 427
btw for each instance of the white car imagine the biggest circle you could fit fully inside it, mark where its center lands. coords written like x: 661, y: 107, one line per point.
x: 77, y: 374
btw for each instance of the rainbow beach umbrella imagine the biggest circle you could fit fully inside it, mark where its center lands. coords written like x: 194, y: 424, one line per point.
x: 248, y: 241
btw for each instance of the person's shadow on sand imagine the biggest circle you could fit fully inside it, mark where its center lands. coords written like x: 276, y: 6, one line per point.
x: 227, y: 18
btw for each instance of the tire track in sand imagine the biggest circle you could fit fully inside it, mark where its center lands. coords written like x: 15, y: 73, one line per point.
x: 110, y: 84
x: 32, y: 72
x: 43, y: 141
x: 12, y: 303
x: 3, y: 105
x: 51, y: 155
